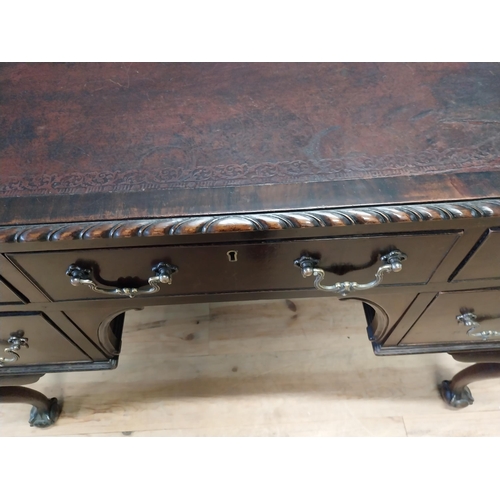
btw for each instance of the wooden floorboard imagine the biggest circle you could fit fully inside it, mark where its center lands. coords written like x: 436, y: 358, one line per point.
x: 262, y: 368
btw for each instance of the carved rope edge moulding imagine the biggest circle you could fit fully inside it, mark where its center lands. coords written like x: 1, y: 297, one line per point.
x: 249, y: 222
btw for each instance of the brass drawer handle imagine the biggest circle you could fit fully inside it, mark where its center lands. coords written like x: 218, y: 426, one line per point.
x: 392, y: 264
x: 83, y: 276
x: 16, y: 341
x: 469, y: 319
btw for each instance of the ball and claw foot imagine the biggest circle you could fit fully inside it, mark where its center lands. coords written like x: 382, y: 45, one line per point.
x: 44, y: 411
x: 42, y: 417
x: 456, y: 392
x: 460, y: 398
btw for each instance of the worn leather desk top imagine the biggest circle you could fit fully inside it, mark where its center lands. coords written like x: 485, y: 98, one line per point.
x: 112, y: 141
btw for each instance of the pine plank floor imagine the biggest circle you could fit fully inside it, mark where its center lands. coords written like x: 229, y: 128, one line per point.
x: 262, y: 368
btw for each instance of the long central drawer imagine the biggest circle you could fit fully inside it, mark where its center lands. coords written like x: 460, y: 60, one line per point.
x: 220, y: 268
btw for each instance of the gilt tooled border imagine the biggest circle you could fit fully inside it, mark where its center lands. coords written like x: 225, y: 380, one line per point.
x: 146, y: 228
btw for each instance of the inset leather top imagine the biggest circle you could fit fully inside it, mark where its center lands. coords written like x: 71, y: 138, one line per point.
x: 111, y: 141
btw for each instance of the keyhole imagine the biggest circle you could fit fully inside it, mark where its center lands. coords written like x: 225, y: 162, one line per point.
x: 232, y: 255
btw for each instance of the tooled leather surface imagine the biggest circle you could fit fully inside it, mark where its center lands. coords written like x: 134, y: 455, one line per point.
x: 136, y: 127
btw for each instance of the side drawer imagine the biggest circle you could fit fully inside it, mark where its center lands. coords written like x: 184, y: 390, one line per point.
x: 38, y: 340
x: 458, y: 317
x: 483, y: 262
x: 8, y: 295
x: 236, y: 267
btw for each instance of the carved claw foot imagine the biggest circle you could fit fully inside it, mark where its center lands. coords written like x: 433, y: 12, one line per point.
x: 41, y: 417
x: 456, y: 399
x: 455, y: 391
x: 45, y: 411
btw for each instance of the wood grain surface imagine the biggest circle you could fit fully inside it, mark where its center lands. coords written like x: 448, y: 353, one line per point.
x: 263, y: 368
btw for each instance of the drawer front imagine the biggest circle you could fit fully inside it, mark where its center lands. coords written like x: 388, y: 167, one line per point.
x: 458, y: 317
x: 45, y: 343
x: 238, y: 267
x: 7, y: 294
x: 484, y: 261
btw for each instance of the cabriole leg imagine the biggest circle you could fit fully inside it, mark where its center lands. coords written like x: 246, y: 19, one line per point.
x: 455, y: 391
x: 45, y: 411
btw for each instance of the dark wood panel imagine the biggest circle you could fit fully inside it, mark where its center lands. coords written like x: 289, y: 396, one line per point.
x: 266, y: 266
x: 421, y: 302
x: 387, y: 309
x: 101, y: 324
x: 87, y: 343
x: 8, y: 295
x: 19, y: 282
x: 484, y: 261
x: 457, y: 254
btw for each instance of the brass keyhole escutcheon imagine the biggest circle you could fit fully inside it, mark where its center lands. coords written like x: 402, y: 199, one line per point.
x: 232, y: 255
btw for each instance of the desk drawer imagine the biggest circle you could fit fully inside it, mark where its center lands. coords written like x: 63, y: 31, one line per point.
x: 223, y: 268
x: 458, y: 317
x: 37, y: 341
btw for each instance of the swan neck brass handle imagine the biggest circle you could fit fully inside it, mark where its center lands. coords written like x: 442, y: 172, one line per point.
x: 16, y: 341
x: 392, y: 263
x: 84, y: 276
x: 469, y: 319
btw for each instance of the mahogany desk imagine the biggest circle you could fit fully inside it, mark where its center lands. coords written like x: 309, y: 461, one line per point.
x: 124, y: 186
